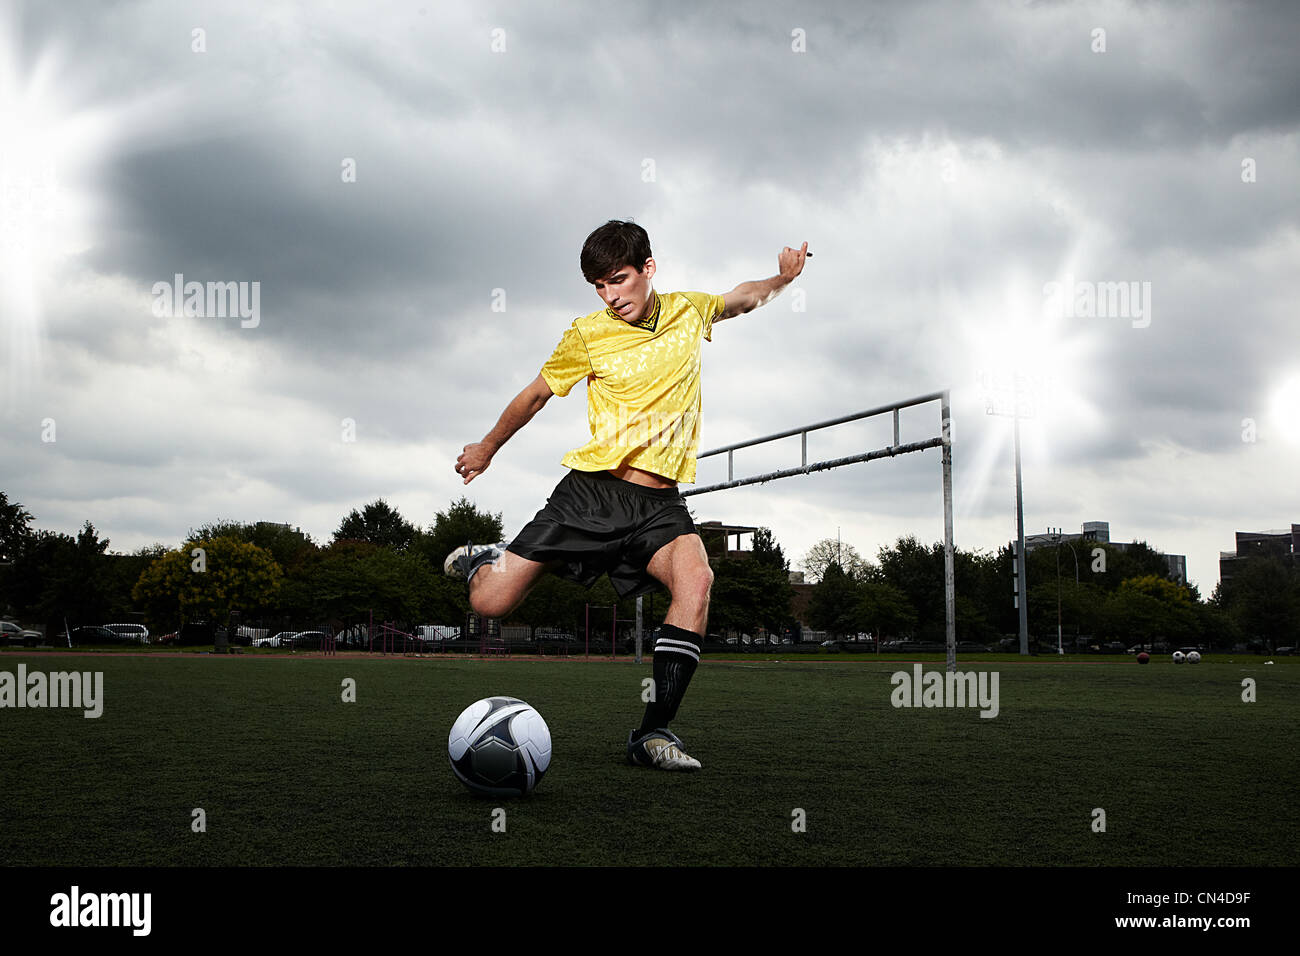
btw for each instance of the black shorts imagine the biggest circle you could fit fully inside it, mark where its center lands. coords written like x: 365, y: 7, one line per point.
x: 595, y: 523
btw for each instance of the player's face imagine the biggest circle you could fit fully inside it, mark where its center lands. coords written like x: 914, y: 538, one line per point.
x: 627, y: 292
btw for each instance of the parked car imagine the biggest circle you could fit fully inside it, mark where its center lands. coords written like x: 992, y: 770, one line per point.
x: 13, y: 634
x: 275, y: 640
x: 94, y: 634
x: 130, y: 633
x: 295, y: 639
x: 306, y: 640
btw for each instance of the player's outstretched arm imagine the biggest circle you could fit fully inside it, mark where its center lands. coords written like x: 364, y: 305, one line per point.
x: 748, y: 296
x: 475, y: 458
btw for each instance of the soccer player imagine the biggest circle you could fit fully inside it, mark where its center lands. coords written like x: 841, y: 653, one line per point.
x: 618, y: 510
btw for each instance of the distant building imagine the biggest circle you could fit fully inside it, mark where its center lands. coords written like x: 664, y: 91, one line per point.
x: 1100, y: 531
x: 717, y: 539
x: 1250, y: 544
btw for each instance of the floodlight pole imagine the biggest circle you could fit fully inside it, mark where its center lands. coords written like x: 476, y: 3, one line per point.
x: 949, y: 575
x: 1020, y: 408
x: 1022, y: 596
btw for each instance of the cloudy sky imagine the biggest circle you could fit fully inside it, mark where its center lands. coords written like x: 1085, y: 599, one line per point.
x: 1103, y: 196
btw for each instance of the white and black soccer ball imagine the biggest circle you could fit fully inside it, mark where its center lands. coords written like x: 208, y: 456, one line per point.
x: 1179, y: 657
x: 499, y: 747
x: 1193, y: 657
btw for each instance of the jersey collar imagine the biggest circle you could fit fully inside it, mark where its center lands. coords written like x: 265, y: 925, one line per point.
x: 648, y: 323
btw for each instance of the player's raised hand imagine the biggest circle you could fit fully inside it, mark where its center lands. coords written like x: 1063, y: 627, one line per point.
x: 473, y: 461
x: 791, y: 261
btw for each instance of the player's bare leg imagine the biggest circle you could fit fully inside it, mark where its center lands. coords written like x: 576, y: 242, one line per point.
x: 682, y: 566
x: 498, y: 588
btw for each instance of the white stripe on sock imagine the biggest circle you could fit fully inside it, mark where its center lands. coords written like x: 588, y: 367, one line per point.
x: 678, y: 647
x: 673, y: 642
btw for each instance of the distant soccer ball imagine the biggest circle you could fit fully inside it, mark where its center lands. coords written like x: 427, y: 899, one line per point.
x: 1193, y: 657
x: 499, y: 747
x: 1179, y: 657
x: 1143, y: 657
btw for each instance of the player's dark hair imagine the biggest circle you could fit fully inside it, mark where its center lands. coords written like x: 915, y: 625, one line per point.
x: 612, y: 246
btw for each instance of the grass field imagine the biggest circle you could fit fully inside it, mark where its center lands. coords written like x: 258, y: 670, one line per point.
x: 287, y: 774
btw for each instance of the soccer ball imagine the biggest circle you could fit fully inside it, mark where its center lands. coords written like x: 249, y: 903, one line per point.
x: 499, y: 747
x: 1143, y: 657
x: 1179, y: 657
x: 1193, y: 657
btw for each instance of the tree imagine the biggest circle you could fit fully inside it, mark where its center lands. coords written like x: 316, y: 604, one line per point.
x: 1137, y: 560
x: 57, y: 576
x: 378, y: 523
x: 227, y: 575
x: 768, y: 553
x: 120, y: 572
x: 14, y: 528
x: 885, y: 609
x: 749, y: 593
x: 1263, y: 597
x: 829, y: 551
x: 918, y: 572
x: 836, y: 603
x: 287, y: 545
x: 15, y: 535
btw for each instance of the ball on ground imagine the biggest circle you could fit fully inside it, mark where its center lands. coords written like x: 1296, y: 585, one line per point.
x: 499, y: 747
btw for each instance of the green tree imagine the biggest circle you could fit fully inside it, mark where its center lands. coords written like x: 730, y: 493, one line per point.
x: 378, y: 523
x: 228, y: 575
x: 768, y: 553
x: 15, y: 528
x: 119, y: 573
x: 74, y: 579
x: 287, y: 545
x: 749, y: 593
x: 886, y: 610
x: 351, y: 581
x: 836, y: 605
x: 918, y: 572
x: 1263, y: 598
x: 1133, y: 617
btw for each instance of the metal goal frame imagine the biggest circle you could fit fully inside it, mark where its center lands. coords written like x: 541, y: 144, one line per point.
x: 943, y: 441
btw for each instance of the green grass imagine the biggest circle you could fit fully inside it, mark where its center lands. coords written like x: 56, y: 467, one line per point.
x: 288, y: 774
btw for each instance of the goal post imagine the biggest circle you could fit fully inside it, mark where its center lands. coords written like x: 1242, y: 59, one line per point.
x: 943, y: 441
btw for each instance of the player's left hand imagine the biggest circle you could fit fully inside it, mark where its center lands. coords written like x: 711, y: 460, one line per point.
x: 791, y: 261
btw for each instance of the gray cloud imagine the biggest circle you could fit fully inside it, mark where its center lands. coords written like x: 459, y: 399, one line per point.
x: 944, y: 160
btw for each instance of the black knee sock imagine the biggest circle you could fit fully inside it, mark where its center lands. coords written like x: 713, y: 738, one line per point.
x: 676, y: 655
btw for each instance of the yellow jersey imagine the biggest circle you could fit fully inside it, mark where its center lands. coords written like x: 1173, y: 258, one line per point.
x: 643, y: 384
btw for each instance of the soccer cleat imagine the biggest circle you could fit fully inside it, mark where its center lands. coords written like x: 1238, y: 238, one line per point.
x: 465, y: 561
x: 659, y: 748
